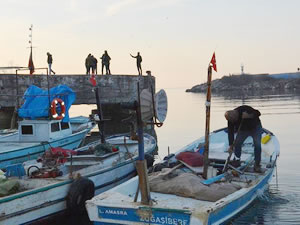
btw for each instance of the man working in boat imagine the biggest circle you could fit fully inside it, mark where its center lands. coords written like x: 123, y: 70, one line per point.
x: 245, y: 120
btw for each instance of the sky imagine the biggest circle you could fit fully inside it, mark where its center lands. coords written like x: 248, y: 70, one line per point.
x: 176, y: 38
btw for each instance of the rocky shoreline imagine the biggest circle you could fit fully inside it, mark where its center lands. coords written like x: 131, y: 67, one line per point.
x: 247, y: 82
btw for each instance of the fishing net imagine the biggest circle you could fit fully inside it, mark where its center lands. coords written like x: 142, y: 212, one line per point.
x: 8, y: 187
x: 189, y: 185
x: 103, y: 149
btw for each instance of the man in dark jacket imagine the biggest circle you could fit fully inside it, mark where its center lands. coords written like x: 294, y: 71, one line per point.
x: 245, y: 120
x: 105, y: 59
x: 94, y: 63
x: 49, y: 61
x: 88, y: 64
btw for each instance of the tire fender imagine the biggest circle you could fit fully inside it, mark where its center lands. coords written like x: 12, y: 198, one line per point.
x: 149, y: 159
x: 81, y: 189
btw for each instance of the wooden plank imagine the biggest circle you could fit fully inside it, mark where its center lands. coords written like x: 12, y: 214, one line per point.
x: 196, y: 170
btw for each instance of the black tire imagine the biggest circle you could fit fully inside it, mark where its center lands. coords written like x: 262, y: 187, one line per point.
x: 81, y: 189
x: 149, y: 159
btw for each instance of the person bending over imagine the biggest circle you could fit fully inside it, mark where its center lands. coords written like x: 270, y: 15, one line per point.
x: 245, y: 120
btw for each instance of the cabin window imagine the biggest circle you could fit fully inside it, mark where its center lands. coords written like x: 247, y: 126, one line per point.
x: 64, y: 126
x: 54, y: 127
x: 27, y: 129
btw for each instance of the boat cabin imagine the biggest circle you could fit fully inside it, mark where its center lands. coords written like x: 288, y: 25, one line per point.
x: 43, y: 130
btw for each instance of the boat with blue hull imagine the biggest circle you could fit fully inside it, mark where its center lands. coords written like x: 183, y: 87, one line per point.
x: 179, y: 193
x: 43, y: 122
x: 35, y: 136
x: 40, y: 197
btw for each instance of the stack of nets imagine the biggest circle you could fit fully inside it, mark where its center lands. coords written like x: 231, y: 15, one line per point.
x: 8, y: 187
x: 189, y: 185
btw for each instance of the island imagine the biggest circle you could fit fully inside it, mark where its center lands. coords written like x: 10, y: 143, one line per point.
x: 251, y: 82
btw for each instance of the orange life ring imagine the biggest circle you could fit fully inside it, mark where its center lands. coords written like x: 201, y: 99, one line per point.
x: 54, y: 104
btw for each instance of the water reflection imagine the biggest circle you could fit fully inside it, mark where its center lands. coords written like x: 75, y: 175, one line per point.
x: 280, y: 114
x: 260, y: 94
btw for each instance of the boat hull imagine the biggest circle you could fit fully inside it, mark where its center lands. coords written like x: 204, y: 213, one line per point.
x: 117, y: 206
x: 32, y: 205
x: 219, y: 213
x: 242, y: 199
x: 32, y: 151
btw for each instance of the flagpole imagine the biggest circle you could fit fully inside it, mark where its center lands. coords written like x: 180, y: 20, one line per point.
x: 211, y: 65
x: 207, y: 124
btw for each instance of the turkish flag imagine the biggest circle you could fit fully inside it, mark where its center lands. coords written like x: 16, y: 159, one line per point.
x: 30, y: 63
x: 213, y: 62
x: 93, y: 80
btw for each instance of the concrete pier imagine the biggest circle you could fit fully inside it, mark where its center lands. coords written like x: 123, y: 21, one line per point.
x: 114, y: 89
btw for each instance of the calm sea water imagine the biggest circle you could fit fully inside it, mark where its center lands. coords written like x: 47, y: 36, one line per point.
x: 280, y: 114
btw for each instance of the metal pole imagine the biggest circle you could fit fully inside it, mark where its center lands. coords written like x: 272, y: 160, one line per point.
x: 100, y: 114
x: 15, y: 113
x: 208, y: 98
x: 140, y: 126
x: 141, y: 165
x: 49, y: 113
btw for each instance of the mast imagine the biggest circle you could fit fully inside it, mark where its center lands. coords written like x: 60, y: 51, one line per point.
x: 212, y: 65
x: 207, y: 123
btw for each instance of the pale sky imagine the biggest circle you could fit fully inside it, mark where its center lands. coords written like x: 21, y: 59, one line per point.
x: 176, y: 38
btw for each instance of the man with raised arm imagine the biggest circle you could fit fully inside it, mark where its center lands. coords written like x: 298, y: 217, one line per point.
x: 138, y: 62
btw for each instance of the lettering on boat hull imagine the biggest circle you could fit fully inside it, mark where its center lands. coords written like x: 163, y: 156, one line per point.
x: 146, y: 215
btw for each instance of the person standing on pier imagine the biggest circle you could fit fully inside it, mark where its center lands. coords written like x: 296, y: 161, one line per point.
x: 245, y: 120
x: 102, y: 63
x: 49, y: 61
x: 105, y: 59
x: 94, y: 63
x: 88, y: 64
x: 138, y: 62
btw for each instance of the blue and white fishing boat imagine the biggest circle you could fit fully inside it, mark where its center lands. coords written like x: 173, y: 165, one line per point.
x: 35, y: 136
x: 39, y: 197
x: 38, y: 130
x: 181, y: 196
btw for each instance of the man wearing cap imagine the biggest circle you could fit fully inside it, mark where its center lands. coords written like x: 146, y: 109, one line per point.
x: 245, y: 120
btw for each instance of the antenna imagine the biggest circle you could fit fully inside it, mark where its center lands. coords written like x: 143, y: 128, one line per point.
x: 30, y: 35
x: 160, y: 106
x: 146, y: 105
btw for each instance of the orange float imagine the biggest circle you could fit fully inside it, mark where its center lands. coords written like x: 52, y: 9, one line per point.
x: 54, y: 104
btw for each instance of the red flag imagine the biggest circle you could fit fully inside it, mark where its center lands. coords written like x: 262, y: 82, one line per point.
x: 30, y: 63
x: 93, y: 80
x: 213, y: 62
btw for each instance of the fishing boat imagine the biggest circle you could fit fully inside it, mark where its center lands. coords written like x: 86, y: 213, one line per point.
x: 35, y: 136
x: 180, y: 195
x: 53, y: 188
x: 194, y: 186
x: 43, y: 122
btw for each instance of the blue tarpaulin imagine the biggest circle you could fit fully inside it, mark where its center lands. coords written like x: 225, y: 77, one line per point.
x: 36, y: 103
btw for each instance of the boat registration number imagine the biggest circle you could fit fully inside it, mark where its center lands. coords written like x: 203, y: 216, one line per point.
x: 146, y: 215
